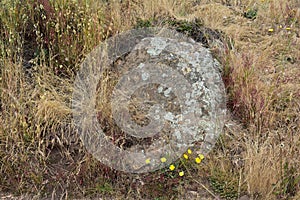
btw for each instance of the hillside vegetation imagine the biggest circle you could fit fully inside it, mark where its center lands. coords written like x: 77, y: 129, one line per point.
x: 42, y: 45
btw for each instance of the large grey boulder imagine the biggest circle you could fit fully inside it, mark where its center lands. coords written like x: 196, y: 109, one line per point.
x: 168, y: 96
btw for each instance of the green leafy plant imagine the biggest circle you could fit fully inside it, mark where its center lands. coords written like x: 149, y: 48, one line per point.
x: 251, y: 13
x: 226, y: 185
x: 144, y: 23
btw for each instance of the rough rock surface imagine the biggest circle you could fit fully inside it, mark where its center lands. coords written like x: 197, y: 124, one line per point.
x: 154, y: 60
x: 168, y: 96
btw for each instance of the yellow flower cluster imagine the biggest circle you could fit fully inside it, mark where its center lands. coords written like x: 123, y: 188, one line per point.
x: 162, y: 159
x: 189, y: 152
x: 280, y: 26
x: 199, y: 159
x: 185, y: 155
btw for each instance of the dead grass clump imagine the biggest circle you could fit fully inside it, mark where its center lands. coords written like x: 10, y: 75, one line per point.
x: 262, y: 83
x: 22, y: 156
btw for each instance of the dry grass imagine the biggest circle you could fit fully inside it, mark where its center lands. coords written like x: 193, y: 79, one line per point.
x: 258, y: 153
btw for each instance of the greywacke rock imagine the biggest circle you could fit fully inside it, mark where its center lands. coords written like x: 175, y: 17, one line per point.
x: 170, y: 80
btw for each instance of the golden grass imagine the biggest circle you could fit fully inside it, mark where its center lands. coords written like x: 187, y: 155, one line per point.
x: 263, y: 100
x: 260, y: 151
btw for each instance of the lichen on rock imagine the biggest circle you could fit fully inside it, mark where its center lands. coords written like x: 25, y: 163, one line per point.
x: 168, y: 88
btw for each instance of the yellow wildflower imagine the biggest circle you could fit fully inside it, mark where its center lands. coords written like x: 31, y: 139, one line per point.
x: 181, y: 173
x: 163, y: 159
x: 189, y: 151
x: 198, y: 160
x: 147, y: 161
x: 271, y: 30
x: 185, y: 156
x: 287, y: 28
x: 201, y: 156
x: 172, y: 167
